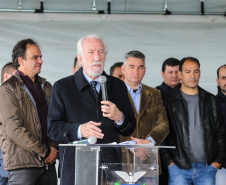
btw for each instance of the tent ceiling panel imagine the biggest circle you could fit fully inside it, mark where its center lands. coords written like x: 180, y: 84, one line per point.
x: 120, y: 6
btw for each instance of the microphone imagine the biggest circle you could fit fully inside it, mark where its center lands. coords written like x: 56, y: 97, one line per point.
x: 103, y: 87
x: 90, y: 140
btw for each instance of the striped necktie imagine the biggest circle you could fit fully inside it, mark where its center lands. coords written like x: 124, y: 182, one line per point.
x: 93, y: 85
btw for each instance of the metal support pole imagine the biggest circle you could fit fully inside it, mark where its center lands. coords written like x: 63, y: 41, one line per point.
x: 167, y: 12
x: 109, y: 7
x: 94, y: 5
x: 20, y: 5
x: 202, y: 8
x: 41, y: 10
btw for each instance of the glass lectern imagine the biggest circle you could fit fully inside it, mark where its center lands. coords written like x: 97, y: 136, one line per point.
x: 90, y: 170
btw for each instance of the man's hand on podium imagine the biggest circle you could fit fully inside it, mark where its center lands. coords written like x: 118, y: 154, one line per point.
x: 91, y: 129
x: 142, y: 153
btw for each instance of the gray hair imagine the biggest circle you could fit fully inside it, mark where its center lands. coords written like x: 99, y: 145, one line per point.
x: 82, y: 39
x: 134, y: 54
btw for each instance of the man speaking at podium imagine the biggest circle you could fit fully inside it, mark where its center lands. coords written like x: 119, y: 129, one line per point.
x: 77, y: 110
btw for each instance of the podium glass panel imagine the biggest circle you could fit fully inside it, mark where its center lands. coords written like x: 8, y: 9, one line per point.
x: 87, y: 164
x: 140, y: 172
x: 90, y: 168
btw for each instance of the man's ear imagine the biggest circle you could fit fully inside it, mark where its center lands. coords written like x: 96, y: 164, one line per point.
x: 20, y: 61
x: 73, y: 70
x: 179, y: 74
x: 217, y: 81
x: 162, y: 73
x: 5, y: 76
x: 79, y: 57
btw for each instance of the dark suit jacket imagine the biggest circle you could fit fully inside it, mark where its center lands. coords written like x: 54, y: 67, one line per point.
x: 73, y: 103
x: 151, y: 119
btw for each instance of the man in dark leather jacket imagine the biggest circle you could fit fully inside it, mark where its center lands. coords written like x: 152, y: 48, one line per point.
x: 196, y: 130
x: 170, y: 69
x: 221, y: 95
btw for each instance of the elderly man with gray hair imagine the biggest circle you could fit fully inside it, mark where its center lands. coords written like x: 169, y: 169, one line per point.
x: 77, y: 112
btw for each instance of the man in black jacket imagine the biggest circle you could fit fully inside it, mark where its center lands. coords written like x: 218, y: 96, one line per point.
x: 221, y: 95
x: 170, y: 69
x: 76, y: 110
x: 196, y: 130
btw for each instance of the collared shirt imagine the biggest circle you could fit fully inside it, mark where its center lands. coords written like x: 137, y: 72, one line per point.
x: 40, y: 101
x: 136, y: 101
x: 98, y: 90
x: 89, y: 80
x: 135, y: 96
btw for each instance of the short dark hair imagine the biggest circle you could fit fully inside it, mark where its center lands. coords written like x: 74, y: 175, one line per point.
x: 19, y: 50
x: 219, y: 70
x: 170, y: 62
x: 75, y: 62
x: 117, y: 64
x: 7, y: 68
x: 134, y: 54
x: 185, y: 59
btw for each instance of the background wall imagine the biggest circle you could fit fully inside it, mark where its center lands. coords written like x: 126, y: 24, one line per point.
x: 157, y: 36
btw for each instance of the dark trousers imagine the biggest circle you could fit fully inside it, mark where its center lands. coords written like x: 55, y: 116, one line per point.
x: 163, y: 178
x: 33, y: 176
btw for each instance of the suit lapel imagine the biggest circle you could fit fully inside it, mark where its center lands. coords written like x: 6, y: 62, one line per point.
x: 134, y: 109
x: 145, y: 99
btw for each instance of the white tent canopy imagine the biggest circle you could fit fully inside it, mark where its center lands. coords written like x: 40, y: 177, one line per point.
x: 118, y: 6
x: 157, y: 36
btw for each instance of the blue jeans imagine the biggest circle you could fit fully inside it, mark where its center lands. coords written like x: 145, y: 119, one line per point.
x: 3, y: 180
x: 221, y: 177
x: 199, y: 174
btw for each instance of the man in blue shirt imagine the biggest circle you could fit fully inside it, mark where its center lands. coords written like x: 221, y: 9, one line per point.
x: 152, y: 124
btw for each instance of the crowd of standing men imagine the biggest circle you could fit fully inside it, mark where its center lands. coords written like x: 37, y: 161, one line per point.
x: 36, y: 117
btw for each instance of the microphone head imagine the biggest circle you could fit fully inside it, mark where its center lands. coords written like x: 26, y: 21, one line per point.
x: 102, y: 79
x: 92, y: 140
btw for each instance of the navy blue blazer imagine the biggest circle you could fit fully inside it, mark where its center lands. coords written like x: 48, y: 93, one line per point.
x: 73, y: 103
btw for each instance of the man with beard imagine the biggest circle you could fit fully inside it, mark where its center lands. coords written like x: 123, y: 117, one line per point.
x: 221, y: 95
x: 77, y: 112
